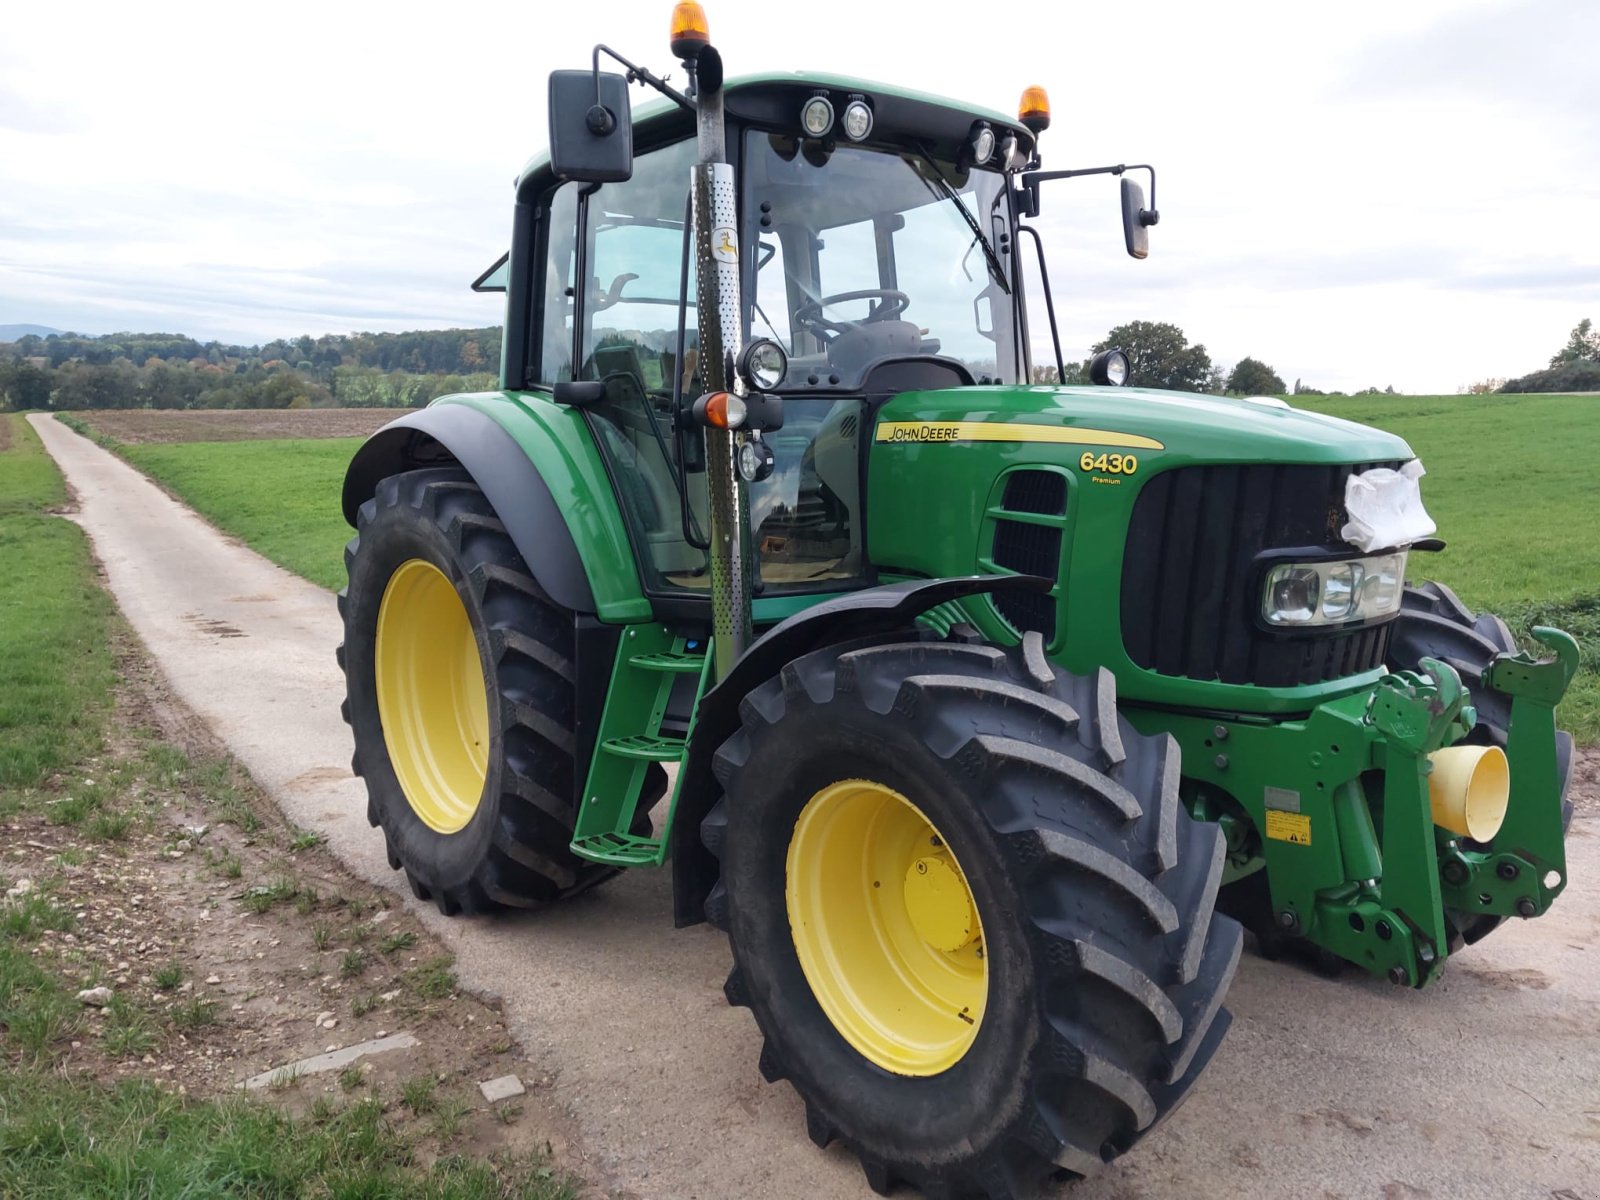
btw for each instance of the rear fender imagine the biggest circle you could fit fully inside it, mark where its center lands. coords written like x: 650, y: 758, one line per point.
x: 890, y: 609
x: 541, y: 472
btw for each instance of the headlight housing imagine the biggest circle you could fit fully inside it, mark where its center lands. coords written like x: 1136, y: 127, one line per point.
x: 1306, y: 595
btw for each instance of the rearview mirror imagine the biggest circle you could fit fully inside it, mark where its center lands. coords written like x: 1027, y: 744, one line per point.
x: 1136, y: 219
x: 591, y: 127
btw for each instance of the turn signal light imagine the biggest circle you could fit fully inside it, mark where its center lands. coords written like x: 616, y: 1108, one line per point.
x: 691, y: 33
x: 723, y: 410
x: 1034, y: 111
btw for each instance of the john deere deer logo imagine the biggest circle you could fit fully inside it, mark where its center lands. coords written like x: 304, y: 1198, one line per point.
x: 723, y: 247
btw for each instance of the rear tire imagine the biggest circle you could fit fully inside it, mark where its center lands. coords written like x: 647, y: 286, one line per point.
x: 1104, y: 967
x: 511, y: 846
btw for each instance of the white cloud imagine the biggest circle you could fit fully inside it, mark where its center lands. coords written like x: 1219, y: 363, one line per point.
x: 1371, y: 194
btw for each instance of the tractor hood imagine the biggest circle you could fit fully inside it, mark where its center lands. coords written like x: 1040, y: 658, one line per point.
x: 1191, y: 427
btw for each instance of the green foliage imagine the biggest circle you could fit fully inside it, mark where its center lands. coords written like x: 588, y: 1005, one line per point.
x: 55, y: 623
x: 23, y: 385
x: 1252, y: 377
x: 1574, y: 375
x: 127, y: 370
x: 1160, y: 356
x: 1583, y: 345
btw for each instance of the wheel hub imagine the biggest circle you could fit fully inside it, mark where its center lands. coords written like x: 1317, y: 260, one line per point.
x: 939, y: 904
x: 886, y: 928
x: 431, y: 696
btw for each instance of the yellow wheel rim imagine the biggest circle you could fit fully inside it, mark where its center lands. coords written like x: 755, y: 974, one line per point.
x: 886, y: 928
x: 431, y: 696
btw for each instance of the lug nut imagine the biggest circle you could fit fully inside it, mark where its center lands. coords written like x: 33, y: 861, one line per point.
x: 1222, y: 762
x: 1506, y: 869
x: 1397, y: 974
x: 1455, y: 873
x: 1527, y: 908
x: 1289, y: 921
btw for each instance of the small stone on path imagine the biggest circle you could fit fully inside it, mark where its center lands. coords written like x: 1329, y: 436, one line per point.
x: 98, y: 997
x: 503, y: 1088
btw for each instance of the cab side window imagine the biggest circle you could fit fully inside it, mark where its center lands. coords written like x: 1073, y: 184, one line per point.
x: 560, y: 264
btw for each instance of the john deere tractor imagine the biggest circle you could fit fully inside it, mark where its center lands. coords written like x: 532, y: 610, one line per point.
x: 965, y: 706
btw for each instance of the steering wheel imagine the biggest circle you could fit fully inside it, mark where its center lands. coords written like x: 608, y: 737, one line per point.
x: 890, y: 305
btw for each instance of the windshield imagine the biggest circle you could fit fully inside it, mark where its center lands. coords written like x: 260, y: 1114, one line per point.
x: 862, y: 254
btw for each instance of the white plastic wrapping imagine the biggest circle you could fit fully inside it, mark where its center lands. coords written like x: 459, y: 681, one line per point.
x: 1385, y: 508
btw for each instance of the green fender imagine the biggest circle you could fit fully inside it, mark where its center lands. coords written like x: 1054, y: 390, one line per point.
x: 537, y: 463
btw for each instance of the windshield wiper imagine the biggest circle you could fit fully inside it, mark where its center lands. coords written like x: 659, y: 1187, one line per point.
x: 997, y: 272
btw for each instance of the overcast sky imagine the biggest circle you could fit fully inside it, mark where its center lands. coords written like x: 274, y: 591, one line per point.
x: 1366, y: 193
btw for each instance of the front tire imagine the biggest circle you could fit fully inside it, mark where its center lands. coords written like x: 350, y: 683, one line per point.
x: 459, y: 689
x: 969, y: 912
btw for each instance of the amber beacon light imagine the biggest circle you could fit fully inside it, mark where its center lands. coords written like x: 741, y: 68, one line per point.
x: 1034, y: 110
x: 691, y: 33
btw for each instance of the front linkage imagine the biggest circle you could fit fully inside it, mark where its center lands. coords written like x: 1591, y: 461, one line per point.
x: 1335, y: 809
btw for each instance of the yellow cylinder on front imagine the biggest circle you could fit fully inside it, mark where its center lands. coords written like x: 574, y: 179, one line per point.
x: 1469, y: 788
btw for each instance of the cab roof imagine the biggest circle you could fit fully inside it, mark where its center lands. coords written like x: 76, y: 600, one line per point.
x: 773, y: 99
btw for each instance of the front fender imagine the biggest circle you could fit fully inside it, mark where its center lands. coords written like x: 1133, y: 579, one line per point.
x: 891, y: 608
x: 537, y: 464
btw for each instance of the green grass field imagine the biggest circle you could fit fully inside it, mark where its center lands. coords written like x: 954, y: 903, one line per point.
x: 279, y: 496
x: 1511, y: 482
x: 62, y: 1133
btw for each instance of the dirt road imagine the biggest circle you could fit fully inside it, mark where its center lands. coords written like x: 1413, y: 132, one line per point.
x: 1487, y: 1085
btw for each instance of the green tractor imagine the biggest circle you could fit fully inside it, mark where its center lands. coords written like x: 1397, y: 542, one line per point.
x: 981, y: 715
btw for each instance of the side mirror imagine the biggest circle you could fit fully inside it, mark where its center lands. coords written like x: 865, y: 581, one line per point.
x: 1136, y: 219
x: 591, y: 127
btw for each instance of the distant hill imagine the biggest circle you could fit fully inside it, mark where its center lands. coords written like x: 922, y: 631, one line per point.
x: 10, y: 333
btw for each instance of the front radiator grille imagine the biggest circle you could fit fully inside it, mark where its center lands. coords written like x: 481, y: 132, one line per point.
x: 1190, y: 592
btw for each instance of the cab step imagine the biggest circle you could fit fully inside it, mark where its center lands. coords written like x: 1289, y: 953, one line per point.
x: 651, y: 663
x: 672, y: 663
x: 650, y: 748
x: 619, y: 850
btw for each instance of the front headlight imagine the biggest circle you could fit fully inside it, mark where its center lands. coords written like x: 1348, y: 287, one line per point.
x: 1334, y: 593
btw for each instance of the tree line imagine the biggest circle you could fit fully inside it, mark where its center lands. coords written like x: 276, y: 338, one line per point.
x: 138, y: 370
x: 1573, y: 368
x: 1161, y: 356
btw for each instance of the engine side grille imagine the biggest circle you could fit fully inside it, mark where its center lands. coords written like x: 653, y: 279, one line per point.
x: 1029, y: 548
x: 1042, y: 492
x: 1189, y: 586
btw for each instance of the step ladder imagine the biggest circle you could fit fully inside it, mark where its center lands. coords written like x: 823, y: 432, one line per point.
x: 650, y: 661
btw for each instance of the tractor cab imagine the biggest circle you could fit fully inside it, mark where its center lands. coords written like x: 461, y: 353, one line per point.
x: 873, y: 240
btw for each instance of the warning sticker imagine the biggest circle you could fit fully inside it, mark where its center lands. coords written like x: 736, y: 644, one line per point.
x: 1289, y: 827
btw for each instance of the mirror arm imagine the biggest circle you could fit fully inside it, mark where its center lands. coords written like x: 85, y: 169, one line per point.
x: 637, y: 75
x: 1049, y: 300
x: 1032, y: 179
